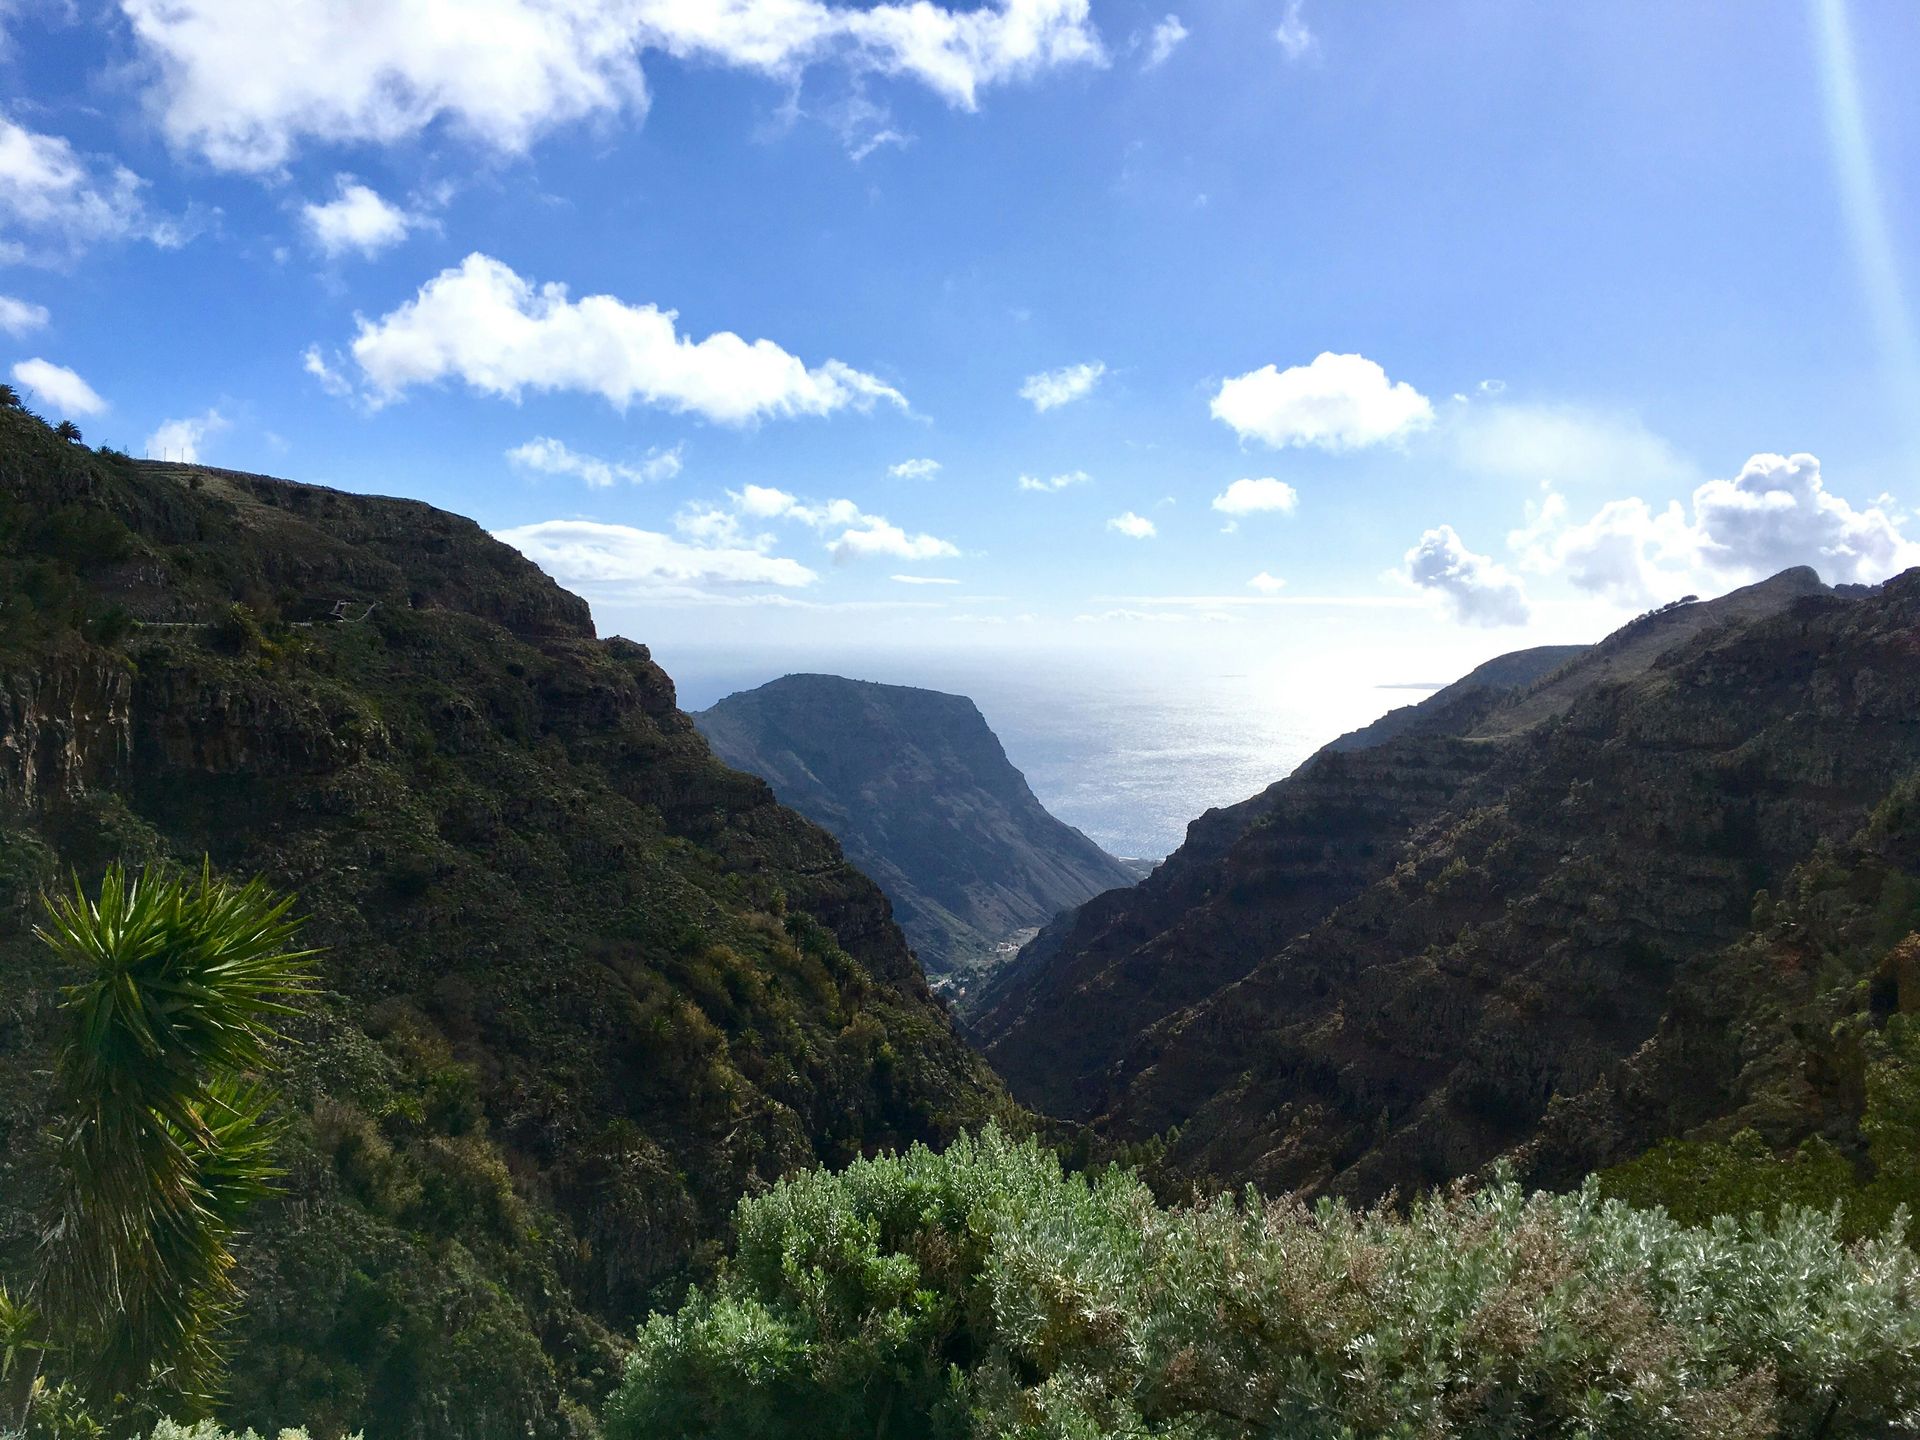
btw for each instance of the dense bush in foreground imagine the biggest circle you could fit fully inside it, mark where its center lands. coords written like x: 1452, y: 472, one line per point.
x: 982, y: 1292
x: 78, y: 1425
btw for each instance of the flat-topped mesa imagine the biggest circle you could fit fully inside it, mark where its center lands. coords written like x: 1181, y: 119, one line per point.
x: 922, y: 797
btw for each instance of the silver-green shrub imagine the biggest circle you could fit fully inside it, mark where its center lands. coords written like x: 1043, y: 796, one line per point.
x: 208, y: 1430
x: 982, y: 1292
x: 63, y: 1422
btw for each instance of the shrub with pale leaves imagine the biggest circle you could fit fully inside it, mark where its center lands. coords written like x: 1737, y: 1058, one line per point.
x: 983, y: 1292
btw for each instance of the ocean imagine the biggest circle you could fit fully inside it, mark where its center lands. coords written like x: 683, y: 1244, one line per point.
x: 1128, y: 753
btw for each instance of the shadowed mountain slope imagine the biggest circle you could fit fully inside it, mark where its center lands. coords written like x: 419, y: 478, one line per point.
x: 923, y: 799
x: 588, y: 984
x: 1093, y: 1003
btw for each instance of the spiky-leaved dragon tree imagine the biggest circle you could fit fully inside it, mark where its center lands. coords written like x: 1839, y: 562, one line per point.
x: 164, y: 1132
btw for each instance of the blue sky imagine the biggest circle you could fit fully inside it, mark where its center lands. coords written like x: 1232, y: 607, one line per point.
x: 1387, y: 336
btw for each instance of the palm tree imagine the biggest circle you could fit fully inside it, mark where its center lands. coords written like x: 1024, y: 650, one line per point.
x: 68, y: 431
x: 163, y: 1139
x: 9, y: 398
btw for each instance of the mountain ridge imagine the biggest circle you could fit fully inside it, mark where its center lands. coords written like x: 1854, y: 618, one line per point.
x: 585, y: 985
x: 1073, y: 1022
x: 923, y: 799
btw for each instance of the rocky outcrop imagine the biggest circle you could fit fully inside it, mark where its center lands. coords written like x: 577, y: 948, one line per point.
x: 65, y: 727
x: 922, y: 798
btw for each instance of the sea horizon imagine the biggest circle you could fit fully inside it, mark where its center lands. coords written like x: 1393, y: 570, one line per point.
x: 1129, y: 755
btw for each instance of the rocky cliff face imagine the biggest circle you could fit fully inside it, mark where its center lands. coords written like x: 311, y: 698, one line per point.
x: 1381, y: 972
x: 588, y: 984
x: 923, y: 799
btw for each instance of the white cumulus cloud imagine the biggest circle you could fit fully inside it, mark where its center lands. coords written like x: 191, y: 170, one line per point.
x: 1338, y: 402
x: 554, y: 457
x: 356, y: 219
x: 1776, y: 513
x: 1054, y: 482
x: 58, y: 387
x: 481, y: 323
x: 1051, y: 389
x: 914, y: 470
x: 1254, y: 497
x: 1626, y: 551
x: 1478, y: 589
x: 54, y: 202
x: 589, y: 554
x: 245, y: 84
x: 181, y: 439
x: 923, y: 579
x: 17, y: 317
x: 1164, y: 40
x: 1134, y: 527
x: 874, y: 535
x: 1267, y: 584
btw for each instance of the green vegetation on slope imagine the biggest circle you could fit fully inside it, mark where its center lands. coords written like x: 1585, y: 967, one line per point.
x: 1409, y: 955
x: 1790, y: 1071
x: 583, y: 986
x: 982, y: 1292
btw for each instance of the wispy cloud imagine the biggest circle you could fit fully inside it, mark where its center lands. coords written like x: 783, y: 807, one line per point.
x: 1560, y: 446
x: 1230, y: 602
x: 1051, y: 389
x: 1162, y: 42
x: 19, y: 317
x: 1296, y: 39
x: 589, y: 554
x: 1054, y: 482
x: 56, y: 203
x: 851, y: 533
x: 548, y: 456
